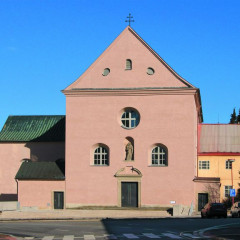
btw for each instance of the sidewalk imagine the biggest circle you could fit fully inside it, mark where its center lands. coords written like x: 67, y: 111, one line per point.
x: 80, y: 214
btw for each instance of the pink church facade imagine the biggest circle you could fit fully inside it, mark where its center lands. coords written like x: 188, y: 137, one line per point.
x: 130, y: 78
x: 130, y: 138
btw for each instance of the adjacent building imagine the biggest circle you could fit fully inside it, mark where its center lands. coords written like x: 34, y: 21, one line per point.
x: 218, y: 160
x: 32, y: 153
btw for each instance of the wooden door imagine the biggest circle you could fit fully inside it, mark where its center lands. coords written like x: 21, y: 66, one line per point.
x: 202, y: 200
x: 58, y: 200
x: 129, y: 194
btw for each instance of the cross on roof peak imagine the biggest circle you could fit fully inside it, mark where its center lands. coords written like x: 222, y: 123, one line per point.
x: 129, y: 20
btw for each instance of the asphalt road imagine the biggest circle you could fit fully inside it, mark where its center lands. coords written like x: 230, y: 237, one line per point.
x: 165, y: 228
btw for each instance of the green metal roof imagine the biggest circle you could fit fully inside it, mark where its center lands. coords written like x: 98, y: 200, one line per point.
x: 34, y: 129
x: 39, y: 171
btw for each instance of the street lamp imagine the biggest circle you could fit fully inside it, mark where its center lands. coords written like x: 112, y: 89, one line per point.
x: 231, y: 161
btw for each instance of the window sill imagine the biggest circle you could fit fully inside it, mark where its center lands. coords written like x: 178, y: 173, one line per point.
x: 99, y: 165
x: 127, y: 128
x: 157, y: 165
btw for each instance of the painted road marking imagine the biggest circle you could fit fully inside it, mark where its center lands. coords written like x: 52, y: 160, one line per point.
x: 89, y: 237
x: 171, y: 235
x: 48, y: 238
x: 151, y: 235
x: 110, y: 236
x: 190, y: 235
x: 114, y: 237
x: 68, y: 237
x: 130, y: 235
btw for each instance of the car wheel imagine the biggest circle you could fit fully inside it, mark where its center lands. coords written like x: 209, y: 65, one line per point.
x: 238, y: 214
x: 225, y: 216
x: 202, y: 216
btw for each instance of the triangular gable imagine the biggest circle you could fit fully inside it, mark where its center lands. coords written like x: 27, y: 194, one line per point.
x: 129, y: 45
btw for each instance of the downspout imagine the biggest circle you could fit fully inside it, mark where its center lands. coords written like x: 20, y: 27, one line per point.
x: 18, y: 204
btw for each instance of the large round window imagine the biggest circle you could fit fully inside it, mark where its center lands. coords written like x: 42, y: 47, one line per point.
x: 130, y: 118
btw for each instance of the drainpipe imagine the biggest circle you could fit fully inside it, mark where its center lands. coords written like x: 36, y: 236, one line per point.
x: 18, y: 204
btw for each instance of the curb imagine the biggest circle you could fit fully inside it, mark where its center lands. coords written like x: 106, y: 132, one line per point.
x: 95, y: 218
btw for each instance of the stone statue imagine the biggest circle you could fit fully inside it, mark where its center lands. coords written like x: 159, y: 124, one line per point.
x: 129, y: 152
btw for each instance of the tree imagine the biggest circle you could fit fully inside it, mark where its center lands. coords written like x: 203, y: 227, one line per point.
x: 238, y: 117
x: 233, y: 119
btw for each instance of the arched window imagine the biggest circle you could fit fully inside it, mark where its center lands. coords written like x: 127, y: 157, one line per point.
x: 128, y: 64
x: 159, y: 156
x: 101, y: 156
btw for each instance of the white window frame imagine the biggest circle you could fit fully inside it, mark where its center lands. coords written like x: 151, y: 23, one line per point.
x: 204, y: 164
x: 227, y: 190
x: 100, y: 156
x: 159, y: 156
x: 128, y: 64
x: 228, y: 164
x: 131, y: 121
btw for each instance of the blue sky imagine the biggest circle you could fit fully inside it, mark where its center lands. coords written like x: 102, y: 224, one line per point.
x: 47, y: 44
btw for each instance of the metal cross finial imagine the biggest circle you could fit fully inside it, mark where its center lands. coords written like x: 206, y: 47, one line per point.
x: 129, y: 20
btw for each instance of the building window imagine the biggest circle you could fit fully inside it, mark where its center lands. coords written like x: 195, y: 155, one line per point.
x: 150, y: 71
x: 128, y: 64
x: 204, y: 165
x: 159, y: 156
x: 227, y: 190
x: 106, y: 71
x: 228, y: 164
x: 101, y: 156
x: 130, y: 118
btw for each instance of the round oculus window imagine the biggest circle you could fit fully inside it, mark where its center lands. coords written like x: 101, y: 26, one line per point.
x: 150, y: 71
x: 130, y: 118
x: 106, y: 71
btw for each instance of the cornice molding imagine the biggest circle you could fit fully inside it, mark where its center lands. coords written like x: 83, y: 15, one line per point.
x: 129, y: 91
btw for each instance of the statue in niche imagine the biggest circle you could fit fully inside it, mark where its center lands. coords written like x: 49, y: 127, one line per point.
x: 129, y: 152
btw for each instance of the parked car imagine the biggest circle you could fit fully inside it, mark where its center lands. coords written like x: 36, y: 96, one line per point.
x: 235, y: 209
x: 214, y: 210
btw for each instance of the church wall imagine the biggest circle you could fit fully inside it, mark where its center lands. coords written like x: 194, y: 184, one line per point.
x: 166, y: 119
x: 38, y: 194
x: 12, y: 155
